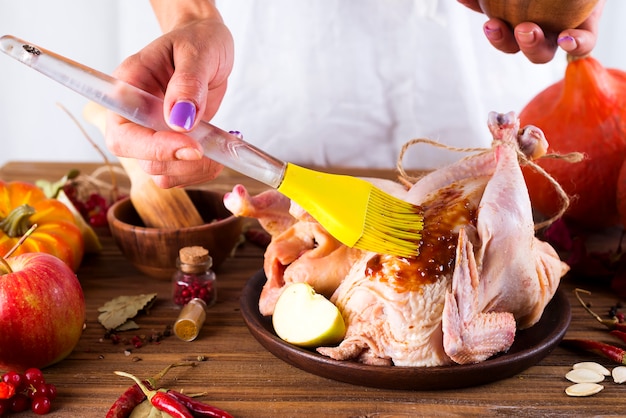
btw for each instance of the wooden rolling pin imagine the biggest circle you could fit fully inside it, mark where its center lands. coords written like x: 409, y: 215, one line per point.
x: 157, y: 207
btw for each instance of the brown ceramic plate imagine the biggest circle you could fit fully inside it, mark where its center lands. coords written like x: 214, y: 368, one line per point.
x: 529, y: 348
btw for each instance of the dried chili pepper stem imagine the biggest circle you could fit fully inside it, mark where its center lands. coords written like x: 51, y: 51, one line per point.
x: 611, y: 324
x: 611, y: 352
x: 160, y: 399
x: 153, y: 381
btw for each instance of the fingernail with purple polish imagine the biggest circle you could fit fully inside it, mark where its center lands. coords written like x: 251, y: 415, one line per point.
x: 494, y: 34
x: 183, y: 115
x: 568, y: 43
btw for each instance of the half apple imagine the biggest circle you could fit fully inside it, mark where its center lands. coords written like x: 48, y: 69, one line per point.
x: 307, y: 319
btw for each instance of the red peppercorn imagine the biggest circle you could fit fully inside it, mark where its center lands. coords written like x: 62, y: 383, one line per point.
x: 136, y: 341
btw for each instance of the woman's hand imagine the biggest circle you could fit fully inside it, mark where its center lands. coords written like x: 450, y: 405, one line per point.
x: 539, y: 46
x: 188, y: 67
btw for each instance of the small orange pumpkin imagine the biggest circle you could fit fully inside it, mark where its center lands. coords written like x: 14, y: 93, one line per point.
x: 585, y: 112
x: 24, y: 204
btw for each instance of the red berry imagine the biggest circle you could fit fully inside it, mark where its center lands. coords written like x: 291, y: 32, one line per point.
x: 42, y: 389
x: 16, y: 379
x: 41, y: 405
x: 70, y: 191
x: 98, y: 219
x: 34, y: 376
x: 19, y: 403
x: 52, y: 391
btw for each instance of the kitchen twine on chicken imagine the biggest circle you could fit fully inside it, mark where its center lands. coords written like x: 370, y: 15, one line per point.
x: 572, y: 157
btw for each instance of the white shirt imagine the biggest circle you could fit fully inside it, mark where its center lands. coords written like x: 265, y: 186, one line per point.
x: 321, y: 82
x: 337, y: 82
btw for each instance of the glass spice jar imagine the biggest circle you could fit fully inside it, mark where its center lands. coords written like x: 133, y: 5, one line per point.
x: 194, y: 277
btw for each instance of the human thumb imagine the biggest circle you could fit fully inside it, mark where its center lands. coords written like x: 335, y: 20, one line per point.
x: 184, y: 98
x: 198, y: 83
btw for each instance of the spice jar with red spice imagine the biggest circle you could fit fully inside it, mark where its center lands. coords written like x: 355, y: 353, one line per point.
x: 194, y: 277
x: 193, y: 288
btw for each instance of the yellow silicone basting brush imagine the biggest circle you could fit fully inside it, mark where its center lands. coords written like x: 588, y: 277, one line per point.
x: 351, y: 209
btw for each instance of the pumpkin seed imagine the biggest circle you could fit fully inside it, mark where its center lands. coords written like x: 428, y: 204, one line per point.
x: 619, y: 374
x: 583, y: 389
x: 592, y: 365
x: 584, y: 376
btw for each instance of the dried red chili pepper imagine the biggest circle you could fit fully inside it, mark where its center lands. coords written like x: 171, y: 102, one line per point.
x: 165, y: 403
x: 133, y: 396
x: 161, y: 400
x: 612, y: 324
x: 619, y: 334
x: 611, y: 352
x: 125, y: 404
x: 199, y: 409
x: 7, y: 390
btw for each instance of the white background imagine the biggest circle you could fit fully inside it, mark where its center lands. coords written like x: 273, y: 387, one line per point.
x: 101, y: 33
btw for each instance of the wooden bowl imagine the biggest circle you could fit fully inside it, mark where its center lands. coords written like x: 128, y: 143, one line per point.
x: 153, y: 251
x: 551, y: 15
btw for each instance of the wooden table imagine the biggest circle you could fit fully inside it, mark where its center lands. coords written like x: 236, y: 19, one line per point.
x: 243, y: 378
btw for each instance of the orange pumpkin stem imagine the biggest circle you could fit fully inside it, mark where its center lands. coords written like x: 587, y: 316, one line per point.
x: 571, y: 58
x: 17, y: 223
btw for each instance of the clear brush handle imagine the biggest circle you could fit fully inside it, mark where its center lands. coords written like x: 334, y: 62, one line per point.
x: 144, y: 109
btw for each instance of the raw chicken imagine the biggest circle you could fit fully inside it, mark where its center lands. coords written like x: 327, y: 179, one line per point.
x: 481, y: 273
x: 300, y: 251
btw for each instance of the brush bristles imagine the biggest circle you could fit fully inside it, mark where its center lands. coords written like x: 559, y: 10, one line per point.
x: 355, y: 212
x: 392, y: 226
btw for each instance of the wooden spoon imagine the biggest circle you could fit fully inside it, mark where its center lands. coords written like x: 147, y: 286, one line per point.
x: 157, y: 207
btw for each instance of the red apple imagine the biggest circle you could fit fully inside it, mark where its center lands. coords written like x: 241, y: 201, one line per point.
x: 42, y: 311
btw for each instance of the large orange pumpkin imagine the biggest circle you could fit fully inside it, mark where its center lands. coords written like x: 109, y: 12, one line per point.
x: 585, y: 112
x: 621, y: 194
x: 24, y: 204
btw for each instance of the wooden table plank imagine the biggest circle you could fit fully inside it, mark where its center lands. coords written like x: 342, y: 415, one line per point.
x: 240, y: 376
